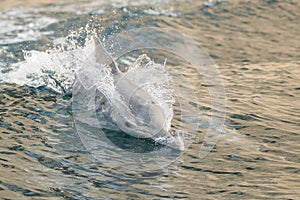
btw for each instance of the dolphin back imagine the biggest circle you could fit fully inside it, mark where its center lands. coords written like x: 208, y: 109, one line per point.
x: 103, y: 57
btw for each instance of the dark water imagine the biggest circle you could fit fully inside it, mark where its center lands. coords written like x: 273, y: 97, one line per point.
x: 256, y: 47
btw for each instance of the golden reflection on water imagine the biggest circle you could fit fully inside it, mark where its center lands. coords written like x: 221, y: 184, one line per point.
x: 256, y: 46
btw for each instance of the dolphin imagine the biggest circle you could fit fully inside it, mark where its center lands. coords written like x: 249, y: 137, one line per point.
x: 138, y: 114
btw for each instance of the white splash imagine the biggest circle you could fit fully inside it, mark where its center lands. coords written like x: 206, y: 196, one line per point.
x: 56, y: 68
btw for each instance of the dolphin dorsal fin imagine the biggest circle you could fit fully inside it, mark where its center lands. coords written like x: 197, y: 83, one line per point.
x: 103, y: 57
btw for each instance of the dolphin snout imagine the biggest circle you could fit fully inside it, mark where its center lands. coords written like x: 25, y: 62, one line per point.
x: 174, y: 142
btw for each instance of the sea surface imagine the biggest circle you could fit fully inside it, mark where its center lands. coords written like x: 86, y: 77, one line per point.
x: 232, y: 74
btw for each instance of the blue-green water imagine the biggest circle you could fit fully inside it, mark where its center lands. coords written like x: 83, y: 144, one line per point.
x: 256, y: 48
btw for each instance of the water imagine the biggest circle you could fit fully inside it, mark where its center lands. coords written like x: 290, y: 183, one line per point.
x: 256, y: 48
